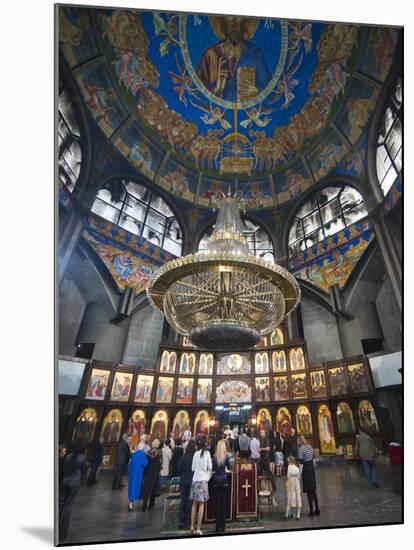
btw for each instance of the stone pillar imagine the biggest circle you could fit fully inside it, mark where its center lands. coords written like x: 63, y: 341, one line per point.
x: 389, y: 252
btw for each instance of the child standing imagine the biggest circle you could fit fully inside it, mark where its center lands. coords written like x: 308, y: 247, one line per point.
x: 294, y: 497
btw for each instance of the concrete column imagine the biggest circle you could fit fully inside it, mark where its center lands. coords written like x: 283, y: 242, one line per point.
x: 68, y: 241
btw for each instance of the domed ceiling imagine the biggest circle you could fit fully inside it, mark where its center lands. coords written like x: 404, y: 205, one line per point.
x: 198, y: 102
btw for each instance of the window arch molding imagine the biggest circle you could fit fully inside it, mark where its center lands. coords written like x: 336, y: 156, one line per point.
x: 147, y: 208
x: 253, y: 219
x: 67, y: 82
x: 332, y: 181
x: 375, y: 126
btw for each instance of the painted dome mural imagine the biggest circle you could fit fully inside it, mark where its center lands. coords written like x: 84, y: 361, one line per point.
x: 196, y: 102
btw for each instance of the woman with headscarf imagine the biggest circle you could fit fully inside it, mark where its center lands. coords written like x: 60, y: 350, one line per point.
x: 151, y: 487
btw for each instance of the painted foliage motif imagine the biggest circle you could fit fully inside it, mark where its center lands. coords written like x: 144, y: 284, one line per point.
x: 181, y: 423
x: 303, y: 421
x: 143, y: 389
x: 168, y: 361
x: 111, y: 427
x: 299, y: 386
x: 233, y: 391
x: 318, y: 383
x: 262, y: 388
x: 337, y: 381
x: 185, y: 390
x: 204, y: 390
x: 85, y: 426
x: 296, y: 359
x: 164, y: 389
x: 358, y: 378
x: 345, y: 418
x: 326, y: 430
x: 264, y: 420
x: 281, y: 388
x: 279, y: 361
x: 284, y: 421
x: 234, y: 363
x: 187, y: 363
x: 261, y: 363
x: 98, y: 383
x: 367, y: 416
x: 121, y: 386
x: 159, y: 425
x: 201, y: 423
x: 205, y: 365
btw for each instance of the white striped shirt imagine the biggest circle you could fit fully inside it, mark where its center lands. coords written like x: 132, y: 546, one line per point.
x: 305, y: 453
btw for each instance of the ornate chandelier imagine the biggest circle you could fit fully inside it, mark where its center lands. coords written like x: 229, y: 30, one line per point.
x: 224, y: 298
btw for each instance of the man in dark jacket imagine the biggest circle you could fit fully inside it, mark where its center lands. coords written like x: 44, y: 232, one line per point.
x: 96, y: 461
x: 290, y: 446
x: 122, y: 458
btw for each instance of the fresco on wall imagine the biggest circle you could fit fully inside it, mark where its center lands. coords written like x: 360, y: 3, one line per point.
x: 345, y: 418
x: 337, y: 381
x: 143, y: 389
x: 168, y: 361
x: 299, y: 386
x: 204, y: 390
x: 235, y: 363
x: 276, y: 338
x: 264, y: 420
x: 85, y: 426
x: 327, y: 154
x: 379, y: 52
x: 279, y: 361
x: 284, y: 421
x: 262, y: 388
x: 201, y: 423
x: 178, y: 180
x: 326, y: 430
x: 205, y: 365
x: 136, y: 427
x: 75, y: 36
x: 159, y: 425
x: 233, y: 391
x: 187, y: 363
x: 296, y: 359
x: 111, y: 426
x: 181, y: 423
x: 121, y: 386
x: 164, y: 389
x: 292, y: 182
x: 184, y: 390
x: 261, y: 363
x: 210, y: 187
x: 257, y: 193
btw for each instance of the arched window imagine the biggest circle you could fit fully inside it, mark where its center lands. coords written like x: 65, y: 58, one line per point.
x: 325, y: 213
x: 389, y: 144
x: 258, y: 240
x: 70, y: 154
x: 140, y: 211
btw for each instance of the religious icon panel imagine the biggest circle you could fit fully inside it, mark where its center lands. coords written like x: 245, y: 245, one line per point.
x: 136, y: 427
x: 318, y: 383
x: 279, y: 361
x: 164, y: 389
x: 299, y: 386
x: 303, y: 421
x: 337, y: 381
x: 185, y: 390
x: 168, y: 361
x: 276, y: 338
x: 262, y: 342
x: 159, y: 425
x: 85, y: 426
x: 262, y: 388
x: 187, y: 343
x: 181, y: 423
x: 201, y: 423
x: 233, y: 391
x: 121, y: 386
x: 358, y: 378
x: 143, y: 388
x: 345, y: 418
x: 264, y: 420
x: 281, y: 388
x: 98, y: 383
x: 205, y: 365
x: 326, y: 430
x: 111, y: 427
x: 261, y: 363
x: 187, y: 363
x: 284, y: 421
x: 367, y: 416
x: 234, y: 363
x: 296, y: 358
x: 204, y: 390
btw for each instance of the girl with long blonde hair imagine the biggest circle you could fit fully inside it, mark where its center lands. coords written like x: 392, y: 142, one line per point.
x: 221, y: 465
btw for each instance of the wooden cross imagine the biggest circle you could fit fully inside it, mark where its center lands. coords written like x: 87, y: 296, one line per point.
x: 246, y: 487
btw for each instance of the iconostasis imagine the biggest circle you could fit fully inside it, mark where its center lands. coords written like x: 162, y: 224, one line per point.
x: 189, y: 389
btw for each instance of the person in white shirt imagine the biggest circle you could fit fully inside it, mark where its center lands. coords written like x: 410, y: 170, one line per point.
x: 202, y: 468
x: 293, y: 492
x: 165, y: 463
x: 254, y: 448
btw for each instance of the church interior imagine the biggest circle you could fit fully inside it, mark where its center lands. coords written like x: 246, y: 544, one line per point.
x: 229, y: 256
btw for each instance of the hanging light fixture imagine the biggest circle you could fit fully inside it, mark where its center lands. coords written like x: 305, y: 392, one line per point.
x: 223, y: 297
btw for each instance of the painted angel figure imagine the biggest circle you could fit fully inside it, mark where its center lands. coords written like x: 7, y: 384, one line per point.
x: 182, y: 82
x: 254, y: 117
x: 286, y: 85
x: 213, y: 115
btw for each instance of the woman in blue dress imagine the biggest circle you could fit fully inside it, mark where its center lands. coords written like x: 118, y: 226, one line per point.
x: 136, y: 474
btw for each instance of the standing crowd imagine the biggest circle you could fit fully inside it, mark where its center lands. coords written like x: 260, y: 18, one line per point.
x: 194, y: 461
